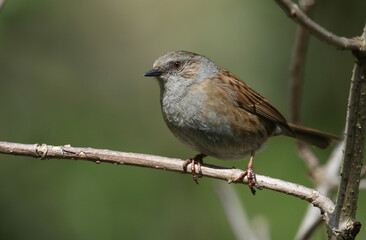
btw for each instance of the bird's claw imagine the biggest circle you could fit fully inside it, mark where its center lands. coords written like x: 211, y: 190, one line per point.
x: 252, y: 180
x: 250, y: 174
x: 197, y: 159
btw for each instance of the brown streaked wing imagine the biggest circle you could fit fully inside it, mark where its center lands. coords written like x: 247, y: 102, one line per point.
x: 253, y: 102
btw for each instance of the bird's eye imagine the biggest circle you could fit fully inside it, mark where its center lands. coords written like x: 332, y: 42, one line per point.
x: 177, y: 64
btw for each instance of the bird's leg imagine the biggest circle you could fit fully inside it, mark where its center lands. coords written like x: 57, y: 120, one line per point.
x: 249, y: 172
x: 198, y: 158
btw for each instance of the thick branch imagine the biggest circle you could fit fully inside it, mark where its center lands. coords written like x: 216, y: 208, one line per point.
x: 294, y: 12
x: 345, y: 212
x: 157, y: 162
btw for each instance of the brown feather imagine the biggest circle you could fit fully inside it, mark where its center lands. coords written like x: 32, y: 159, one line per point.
x: 253, y: 102
x: 313, y: 136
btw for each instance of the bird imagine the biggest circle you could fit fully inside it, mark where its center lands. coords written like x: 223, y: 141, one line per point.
x: 217, y: 114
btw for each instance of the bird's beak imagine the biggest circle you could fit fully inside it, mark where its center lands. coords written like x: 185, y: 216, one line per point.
x: 153, y: 73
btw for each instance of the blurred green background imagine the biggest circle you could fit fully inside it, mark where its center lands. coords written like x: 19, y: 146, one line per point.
x: 71, y: 72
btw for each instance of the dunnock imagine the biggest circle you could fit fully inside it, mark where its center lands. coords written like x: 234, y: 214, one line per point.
x: 212, y: 111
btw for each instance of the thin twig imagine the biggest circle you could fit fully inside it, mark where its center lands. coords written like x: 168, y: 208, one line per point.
x: 296, y: 80
x: 308, y: 156
x: 314, y: 221
x: 298, y: 65
x: 312, y: 217
x: 329, y: 181
x: 235, y: 212
x: 171, y: 164
x: 294, y: 12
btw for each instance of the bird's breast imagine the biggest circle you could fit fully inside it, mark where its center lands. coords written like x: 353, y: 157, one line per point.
x: 206, y: 119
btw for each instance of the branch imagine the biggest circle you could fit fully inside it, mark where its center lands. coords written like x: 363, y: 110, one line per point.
x: 235, y: 213
x: 296, y: 79
x: 294, y: 12
x: 343, y: 218
x: 297, y: 66
x: 171, y: 164
x: 238, y: 218
x: 312, y: 217
x: 341, y: 223
x: 329, y: 175
x: 329, y: 183
x: 308, y: 156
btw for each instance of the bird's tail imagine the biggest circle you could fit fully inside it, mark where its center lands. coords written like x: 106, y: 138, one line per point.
x: 312, y: 136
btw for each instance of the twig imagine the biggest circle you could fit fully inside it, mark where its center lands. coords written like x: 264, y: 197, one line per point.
x: 296, y: 79
x: 171, y: 164
x: 235, y: 212
x: 343, y: 219
x: 261, y: 227
x: 298, y: 65
x: 312, y: 217
x: 308, y: 156
x: 314, y: 220
x: 329, y: 173
x: 294, y: 12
